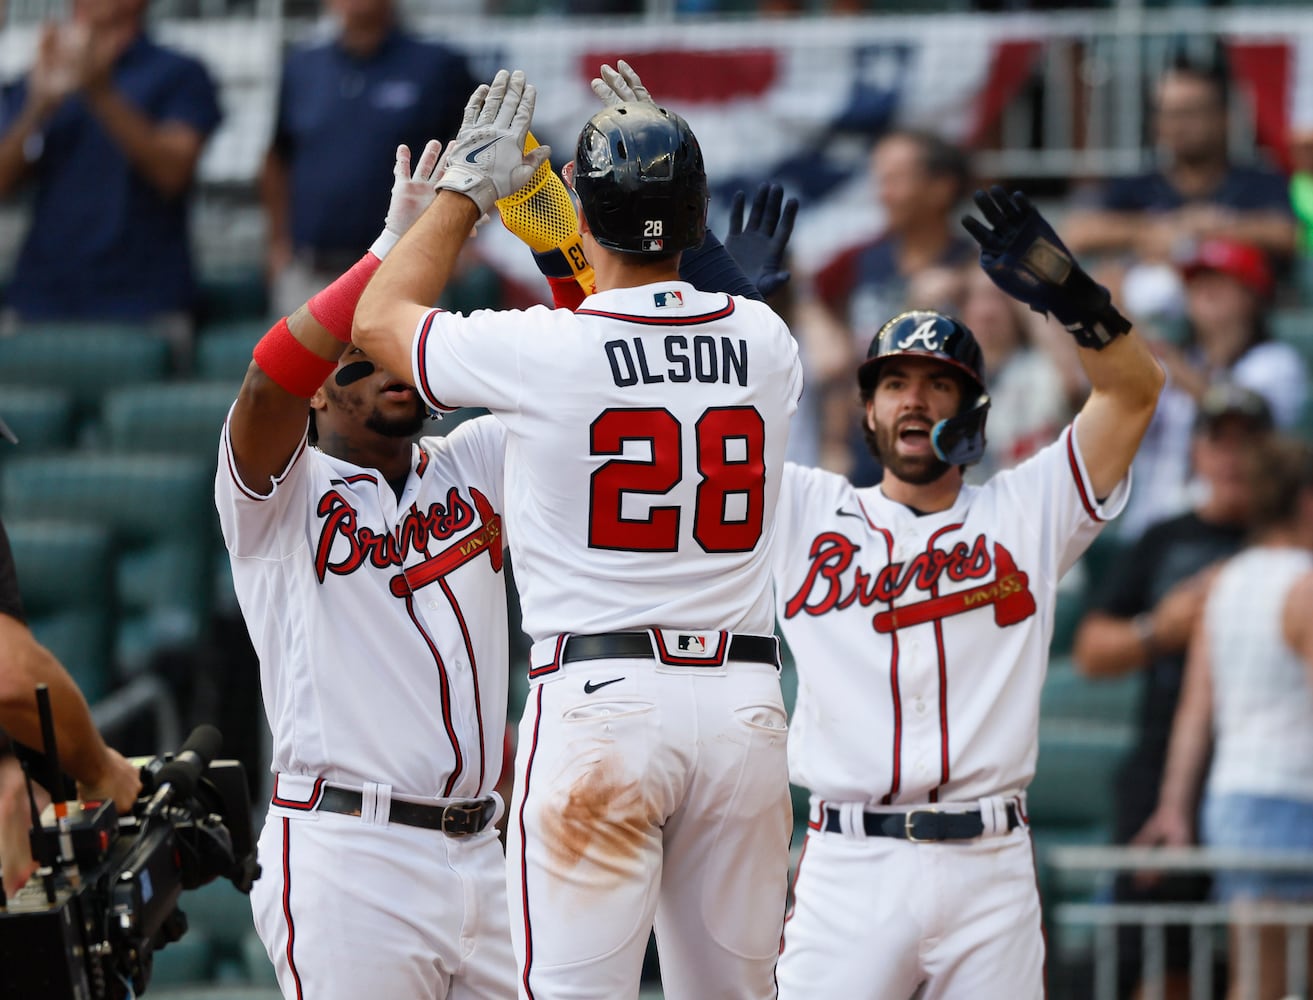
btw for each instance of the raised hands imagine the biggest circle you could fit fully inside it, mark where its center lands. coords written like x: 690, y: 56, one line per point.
x: 758, y: 248
x: 486, y: 160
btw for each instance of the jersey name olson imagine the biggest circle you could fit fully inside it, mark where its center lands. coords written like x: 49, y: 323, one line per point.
x: 702, y: 358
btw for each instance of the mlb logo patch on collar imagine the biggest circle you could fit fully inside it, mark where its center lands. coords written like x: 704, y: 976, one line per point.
x: 668, y: 300
x: 690, y: 649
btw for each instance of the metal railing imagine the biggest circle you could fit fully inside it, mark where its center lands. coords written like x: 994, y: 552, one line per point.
x: 1206, y: 921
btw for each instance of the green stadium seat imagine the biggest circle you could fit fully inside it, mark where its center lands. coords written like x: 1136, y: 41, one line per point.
x: 1294, y: 327
x: 1067, y: 614
x: 225, y: 355
x: 180, y: 417
x: 42, y: 417
x: 159, y: 510
x: 85, y: 362
x: 233, y: 295
x: 1069, y: 696
x: 1074, y: 778
x: 65, y: 575
x: 224, y: 914
x: 183, y: 962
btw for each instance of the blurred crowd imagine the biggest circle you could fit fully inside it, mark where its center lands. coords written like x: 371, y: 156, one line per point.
x: 1210, y: 594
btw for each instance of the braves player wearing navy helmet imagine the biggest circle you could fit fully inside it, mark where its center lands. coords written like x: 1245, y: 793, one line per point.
x: 920, y: 612
x: 645, y: 441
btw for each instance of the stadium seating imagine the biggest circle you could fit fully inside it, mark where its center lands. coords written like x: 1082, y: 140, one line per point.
x: 65, y: 574
x: 41, y: 416
x: 180, y: 417
x: 160, y: 513
x: 225, y: 352
x: 86, y: 361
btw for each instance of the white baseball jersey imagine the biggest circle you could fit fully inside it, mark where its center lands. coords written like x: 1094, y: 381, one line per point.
x: 379, y: 623
x: 646, y: 436
x: 922, y: 641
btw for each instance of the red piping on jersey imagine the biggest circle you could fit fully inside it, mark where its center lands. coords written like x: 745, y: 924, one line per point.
x: 474, y: 671
x: 361, y: 477
x: 554, y: 665
x: 423, y: 462
x: 421, y: 349
x: 1075, y: 474
x: 896, y: 778
x: 287, y: 904
x: 943, y: 675
x: 308, y: 806
x: 663, y: 320
x: 524, y: 865
x: 237, y: 480
x: 446, y: 699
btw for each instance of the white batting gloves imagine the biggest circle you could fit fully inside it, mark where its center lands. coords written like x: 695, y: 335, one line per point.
x: 412, y: 193
x: 486, y: 160
x: 620, y: 86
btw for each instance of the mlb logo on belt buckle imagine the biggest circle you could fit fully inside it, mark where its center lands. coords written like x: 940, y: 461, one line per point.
x: 691, y: 649
x: 691, y: 643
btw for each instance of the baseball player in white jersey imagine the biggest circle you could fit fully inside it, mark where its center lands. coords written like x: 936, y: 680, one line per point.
x: 368, y: 569
x: 920, y: 613
x: 645, y: 438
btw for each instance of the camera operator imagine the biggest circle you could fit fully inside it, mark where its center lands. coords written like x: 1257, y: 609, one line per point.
x: 24, y: 663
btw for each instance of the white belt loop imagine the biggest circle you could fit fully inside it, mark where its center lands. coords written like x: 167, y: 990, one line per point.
x: 375, y: 803
x: 994, y: 816
x: 851, y: 822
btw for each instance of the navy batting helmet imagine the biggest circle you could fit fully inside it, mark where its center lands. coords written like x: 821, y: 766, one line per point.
x: 641, y: 181
x: 960, y: 439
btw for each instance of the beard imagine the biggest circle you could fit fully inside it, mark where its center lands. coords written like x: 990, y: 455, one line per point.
x: 918, y: 470
x: 406, y: 425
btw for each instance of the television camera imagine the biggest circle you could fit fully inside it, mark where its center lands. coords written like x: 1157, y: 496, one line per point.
x: 87, y: 925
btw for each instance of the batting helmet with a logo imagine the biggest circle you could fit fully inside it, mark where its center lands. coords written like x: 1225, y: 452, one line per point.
x: 641, y: 181
x: 959, y: 440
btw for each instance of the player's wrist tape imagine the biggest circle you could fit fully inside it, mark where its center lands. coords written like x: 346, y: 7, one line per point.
x: 335, y: 307
x: 291, y: 365
x: 553, y: 264
x: 1092, y: 319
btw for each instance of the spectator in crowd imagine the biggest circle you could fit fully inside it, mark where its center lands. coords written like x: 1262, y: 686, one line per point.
x: 920, y: 179
x: 1247, y: 697
x: 1031, y: 396
x: 109, y: 126
x: 1141, y: 618
x: 1196, y: 192
x: 1228, y: 287
x: 24, y: 663
x: 345, y: 105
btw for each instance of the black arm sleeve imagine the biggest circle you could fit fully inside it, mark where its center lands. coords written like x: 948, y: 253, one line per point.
x: 710, y: 268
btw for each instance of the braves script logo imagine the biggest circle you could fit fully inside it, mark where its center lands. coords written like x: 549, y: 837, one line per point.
x: 417, y: 528
x: 828, y: 585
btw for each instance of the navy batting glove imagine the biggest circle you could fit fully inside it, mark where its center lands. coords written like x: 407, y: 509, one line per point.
x: 1024, y: 257
x: 759, y: 246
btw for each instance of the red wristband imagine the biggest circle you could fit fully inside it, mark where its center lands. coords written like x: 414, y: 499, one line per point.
x: 335, y: 306
x: 291, y: 364
x: 566, y: 293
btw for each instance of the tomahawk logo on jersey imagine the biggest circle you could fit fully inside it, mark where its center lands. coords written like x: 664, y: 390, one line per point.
x: 835, y: 580
x: 892, y: 613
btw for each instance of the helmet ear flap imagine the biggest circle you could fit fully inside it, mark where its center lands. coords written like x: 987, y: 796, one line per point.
x: 960, y: 439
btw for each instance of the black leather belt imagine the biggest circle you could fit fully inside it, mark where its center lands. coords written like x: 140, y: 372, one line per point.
x: 638, y: 645
x: 921, y: 824
x: 458, y: 819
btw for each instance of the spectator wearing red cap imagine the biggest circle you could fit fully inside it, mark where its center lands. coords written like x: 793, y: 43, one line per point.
x: 1228, y: 289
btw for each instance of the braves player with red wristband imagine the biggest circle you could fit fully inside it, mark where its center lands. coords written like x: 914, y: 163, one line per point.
x: 920, y: 612
x: 368, y: 569
x: 645, y: 440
